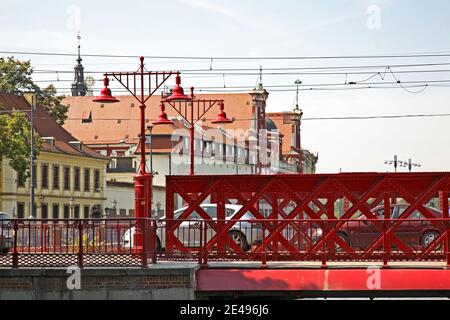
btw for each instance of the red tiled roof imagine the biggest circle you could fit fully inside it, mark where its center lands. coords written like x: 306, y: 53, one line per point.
x: 112, y: 123
x: 106, y: 127
x: 45, y: 126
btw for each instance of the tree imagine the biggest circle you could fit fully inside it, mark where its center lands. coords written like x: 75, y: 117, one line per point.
x: 15, y: 141
x: 15, y: 77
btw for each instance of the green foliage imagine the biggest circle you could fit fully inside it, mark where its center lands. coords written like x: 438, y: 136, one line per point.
x: 48, y: 99
x: 15, y: 128
x: 15, y: 77
x: 15, y: 141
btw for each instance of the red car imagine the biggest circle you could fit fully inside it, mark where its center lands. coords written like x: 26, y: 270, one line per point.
x: 416, y: 231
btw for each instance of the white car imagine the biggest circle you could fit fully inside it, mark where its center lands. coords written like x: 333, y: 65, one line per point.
x: 244, y: 233
x: 6, y: 233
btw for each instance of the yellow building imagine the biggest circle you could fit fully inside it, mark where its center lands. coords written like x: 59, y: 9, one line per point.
x: 70, y: 177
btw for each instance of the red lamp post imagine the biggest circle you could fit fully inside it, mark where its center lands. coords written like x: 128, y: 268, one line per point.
x: 191, y: 110
x: 142, y: 85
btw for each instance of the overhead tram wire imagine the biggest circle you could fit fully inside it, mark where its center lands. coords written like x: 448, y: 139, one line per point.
x: 433, y: 115
x: 216, y: 92
x: 373, y: 75
x: 239, y: 71
x: 254, y: 71
x: 208, y: 58
x: 231, y: 88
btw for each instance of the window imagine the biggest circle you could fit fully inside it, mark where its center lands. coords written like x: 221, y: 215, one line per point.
x: 86, y: 212
x: 56, y: 177
x: 87, y: 119
x: 113, y: 164
x: 77, y: 174
x: 66, y: 211
x: 55, y: 213
x: 66, y: 178
x: 97, y: 180
x: 211, y: 211
x: 20, y: 210
x: 230, y: 212
x: 131, y: 212
x: 76, y: 212
x: 44, y: 211
x: 44, y: 174
x: 97, y: 211
x: 123, y: 212
x: 87, y: 180
x: 21, y: 179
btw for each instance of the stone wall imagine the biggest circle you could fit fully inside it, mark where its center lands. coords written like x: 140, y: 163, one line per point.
x: 155, y: 283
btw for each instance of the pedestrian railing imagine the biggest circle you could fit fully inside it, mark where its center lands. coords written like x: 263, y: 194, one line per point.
x: 113, y: 243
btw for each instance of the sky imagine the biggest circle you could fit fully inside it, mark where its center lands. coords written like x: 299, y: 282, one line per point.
x: 250, y: 28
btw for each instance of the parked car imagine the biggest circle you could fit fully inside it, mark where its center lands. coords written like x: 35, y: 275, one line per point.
x: 416, y: 231
x: 243, y: 232
x: 6, y: 233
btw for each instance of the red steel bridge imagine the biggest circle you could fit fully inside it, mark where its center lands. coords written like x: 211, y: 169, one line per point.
x: 352, y: 232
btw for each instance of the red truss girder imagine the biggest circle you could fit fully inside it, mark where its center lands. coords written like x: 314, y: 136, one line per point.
x: 311, y: 197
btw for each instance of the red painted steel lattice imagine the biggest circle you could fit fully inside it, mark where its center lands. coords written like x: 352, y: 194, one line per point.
x: 340, y: 217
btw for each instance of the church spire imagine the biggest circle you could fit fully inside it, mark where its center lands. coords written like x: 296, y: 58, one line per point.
x: 78, y: 85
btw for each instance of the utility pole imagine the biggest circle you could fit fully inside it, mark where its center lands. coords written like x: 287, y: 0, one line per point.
x: 400, y: 163
x: 394, y: 162
x: 411, y: 165
x: 31, y: 98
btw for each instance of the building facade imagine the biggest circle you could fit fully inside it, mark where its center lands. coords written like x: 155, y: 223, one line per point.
x: 67, y: 187
x: 70, y: 178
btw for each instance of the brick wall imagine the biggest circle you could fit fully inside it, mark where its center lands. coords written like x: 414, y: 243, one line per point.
x: 109, y: 284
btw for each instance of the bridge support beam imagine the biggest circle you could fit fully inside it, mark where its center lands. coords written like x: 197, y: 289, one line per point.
x: 365, y: 281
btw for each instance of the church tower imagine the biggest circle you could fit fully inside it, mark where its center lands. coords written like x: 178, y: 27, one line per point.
x: 78, y: 85
x: 258, y: 132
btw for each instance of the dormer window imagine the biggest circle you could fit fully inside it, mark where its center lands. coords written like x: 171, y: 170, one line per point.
x: 76, y: 144
x: 50, y: 140
x: 87, y: 119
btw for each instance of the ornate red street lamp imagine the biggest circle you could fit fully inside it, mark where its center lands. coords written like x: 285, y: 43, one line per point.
x: 191, y: 110
x: 142, y: 85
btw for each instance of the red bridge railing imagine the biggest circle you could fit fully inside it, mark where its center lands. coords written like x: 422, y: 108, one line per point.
x: 71, y: 242
x: 94, y: 243
x: 408, y: 240
x: 305, y: 218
